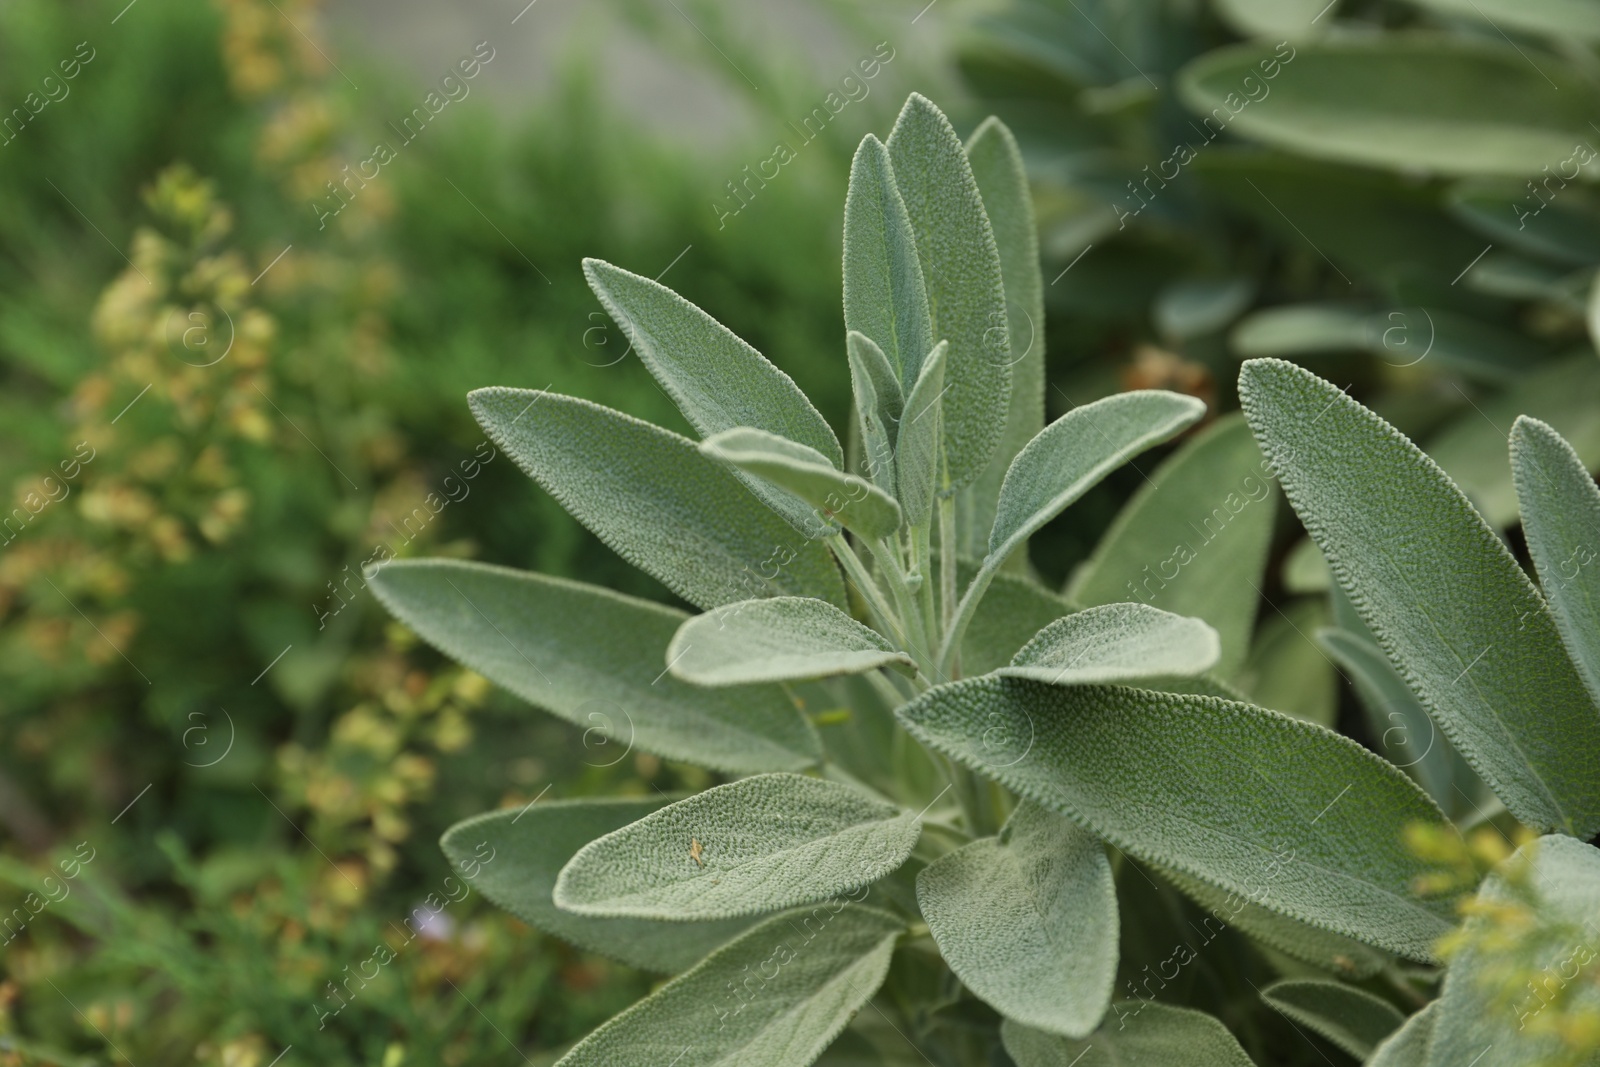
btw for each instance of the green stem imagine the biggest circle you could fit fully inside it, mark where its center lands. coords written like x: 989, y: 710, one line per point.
x: 917, y: 638
x: 922, y: 559
x: 947, y: 557
x: 857, y: 572
x: 964, y: 612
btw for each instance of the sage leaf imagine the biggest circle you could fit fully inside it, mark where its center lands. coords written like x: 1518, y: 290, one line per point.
x: 512, y: 857
x: 1075, y: 452
x: 1193, y: 539
x: 1450, y: 105
x: 879, y: 404
x: 1440, y: 592
x: 1351, y: 1018
x: 1003, y: 183
x: 759, y: 844
x: 1561, y: 517
x: 1557, y: 19
x: 1473, y: 1020
x: 884, y: 296
x: 1028, y: 921
x: 917, y: 451
x: 1136, y: 1032
x: 1286, y: 670
x: 962, y: 273
x: 1317, y: 837
x: 825, y: 965
x: 656, y: 500
x: 591, y: 656
x: 806, y: 474
x: 1012, y: 611
x: 1116, y: 643
x: 774, y: 640
x: 1408, y: 1046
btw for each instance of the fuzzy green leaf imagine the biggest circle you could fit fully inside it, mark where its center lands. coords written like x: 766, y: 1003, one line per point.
x: 1451, y: 105
x: 805, y: 474
x: 767, y: 842
x: 1351, y: 1018
x: 1116, y: 643
x: 1316, y: 836
x: 1474, y: 1022
x: 1028, y: 920
x: 1136, y: 1032
x: 1561, y: 517
x: 884, y: 295
x: 777, y: 640
x: 727, y: 1012
x: 918, y: 439
x: 1193, y: 539
x: 1010, y: 614
x: 1003, y: 183
x: 656, y: 500
x: 591, y: 657
x: 1075, y: 452
x: 717, y: 380
x: 1440, y: 592
x: 513, y: 856
x: 1286, y: 670
x: 1408, y: 1046
x: 965, y: 285
x: 1560, y: 19
x: 879, y: 404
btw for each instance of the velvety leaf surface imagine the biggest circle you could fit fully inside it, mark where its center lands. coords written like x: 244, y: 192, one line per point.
x: 1193, y: 540
x: 656, y: 500
x: 884, y: 295
x: 1414, y: 101
x: 1440, y: 592
x: 1076, y: 451
x: 1010, y: 614
x: 779, y: 639
x: 876, y: 388
x: 962, y: 273
x: 1408, y: 1046
x: 1351, y: 1018
x: 917, y: 441
x: 1003, y: 183
x: 517, y: 853
x: 1561, y: 518
x: 1135, y: 1033
x: 1116, y: 643
x: 593, y: 657
x: 1473, y: 1022
x: 1296, y: 818
x: 1028, y: 920
x: 806, y: 474
x: 767, y: 842
x: 825, y: 965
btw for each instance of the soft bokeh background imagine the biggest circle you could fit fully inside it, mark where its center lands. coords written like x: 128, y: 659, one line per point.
x: 217, y: 404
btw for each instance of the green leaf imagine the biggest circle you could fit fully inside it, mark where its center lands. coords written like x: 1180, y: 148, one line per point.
x: 1351, y: 1018
x: 1440, y: 592
x: 656, y: 500
x: 1315, y: 836
x: 884, y: 295
x: 1409, y: 101
x: 767, y: 842
x: 1472, y: 447
x: 824, y: 966
x: 1003, y: 183
x: 1276, y: 19
x: 1565, y: 229
x: 1286, y: 671
x: 1028, y: 921
x: 590, y: 656
x: 1408, y: 1046
x: 1194, y: 307
x: 806, y: 474
x: 1561, y: 517
x: 717, y: 380
x: 962, y: 272
x: 1563, y: 876
x: 1116, y: 643
x: 1136, y: 1032
x: 777, y: 640
x: 1193, y: 539
x: 1577, y: 20
x: 1332, y: 952
x: 918, y: 439
x: 878, y: 407
x: 1010, y: 614
x: 513, y: 856
x: 1075, y: 452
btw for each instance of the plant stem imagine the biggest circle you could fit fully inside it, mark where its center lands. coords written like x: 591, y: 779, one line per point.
x: 863, y: 581
x: 922, y: 559
x: 964, y: 612
x: 917, y: 639
x: 947, y: 557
